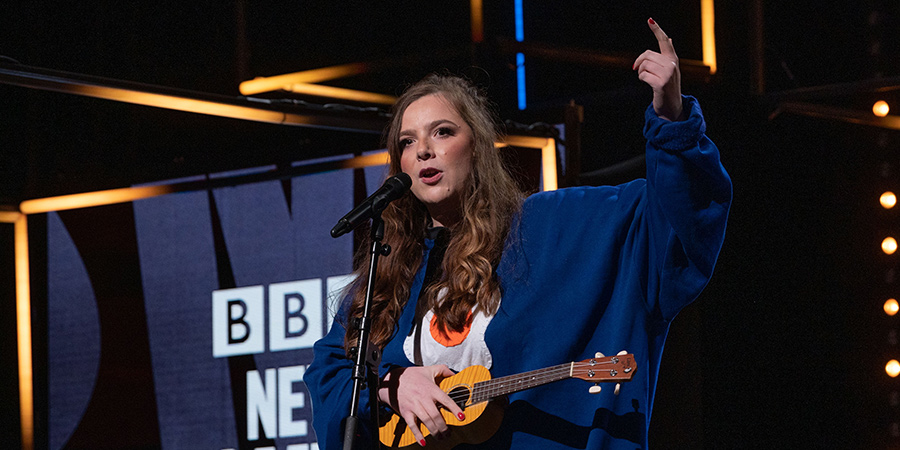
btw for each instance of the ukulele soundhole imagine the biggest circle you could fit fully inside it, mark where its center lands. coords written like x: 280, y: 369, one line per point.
x: 460, y: 395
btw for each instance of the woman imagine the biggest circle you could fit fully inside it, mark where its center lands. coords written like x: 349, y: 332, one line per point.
x: 479, y: 277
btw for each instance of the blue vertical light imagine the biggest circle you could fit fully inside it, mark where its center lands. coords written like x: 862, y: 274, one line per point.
x: 520, y: 77
x: 520, y: 27
x: 520, y: 57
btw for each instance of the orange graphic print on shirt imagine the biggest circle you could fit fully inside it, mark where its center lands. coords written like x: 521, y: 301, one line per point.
x: 450, y: 338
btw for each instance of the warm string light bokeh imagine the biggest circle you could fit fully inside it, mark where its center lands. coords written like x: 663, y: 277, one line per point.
x: 891, y: 306
x: 888, y: 245
x: 888, y: 200
x: 881, y: 108
x: 892, y: 368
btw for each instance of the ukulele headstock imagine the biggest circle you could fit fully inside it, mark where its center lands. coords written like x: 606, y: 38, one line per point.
x: 601, y: 368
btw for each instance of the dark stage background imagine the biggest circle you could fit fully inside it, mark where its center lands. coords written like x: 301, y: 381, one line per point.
x: 786, y: 347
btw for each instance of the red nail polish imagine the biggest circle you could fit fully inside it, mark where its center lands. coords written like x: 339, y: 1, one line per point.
x: 422, y: 442
x: 651, y: 21
x: 461, y: 416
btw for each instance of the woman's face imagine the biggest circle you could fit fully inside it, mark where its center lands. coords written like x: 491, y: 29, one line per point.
x: 436, y: 152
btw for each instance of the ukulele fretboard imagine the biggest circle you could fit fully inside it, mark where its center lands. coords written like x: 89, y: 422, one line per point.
x: 490, y: 389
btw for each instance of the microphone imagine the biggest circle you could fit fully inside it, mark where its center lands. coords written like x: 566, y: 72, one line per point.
x: 391, y: 190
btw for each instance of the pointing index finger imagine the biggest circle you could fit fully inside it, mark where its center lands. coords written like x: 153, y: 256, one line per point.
x: 665, y: 44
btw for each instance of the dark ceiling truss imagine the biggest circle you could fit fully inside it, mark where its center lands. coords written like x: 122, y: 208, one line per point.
x: 818, y: 102
x: 277, y: 111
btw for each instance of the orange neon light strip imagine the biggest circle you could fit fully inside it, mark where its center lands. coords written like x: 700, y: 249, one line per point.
x: 252, y: 109
x: 375, y: 159
x: 708, y: 34
x: 9, y: 216
x: 548, y: 155
x: 268, y: 84
x: 524, y: 141
x: 341, y: 93
x: 88, y: 199
x: 121, y: 195
x: 477, y: 14
x: 302, y: 82
x: 183, y: 104
x: 23, y: 325
x: 548, y: 165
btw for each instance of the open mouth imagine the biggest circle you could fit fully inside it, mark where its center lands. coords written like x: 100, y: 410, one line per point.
x: 430, y: 175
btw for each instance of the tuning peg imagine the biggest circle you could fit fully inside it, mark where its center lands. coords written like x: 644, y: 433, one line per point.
x: 595, y: 389
x: 623, y: 352
x: 598, y: 355
x: 618, y: 385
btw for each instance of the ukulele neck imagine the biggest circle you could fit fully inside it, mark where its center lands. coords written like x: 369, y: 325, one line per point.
x: 498, y: 387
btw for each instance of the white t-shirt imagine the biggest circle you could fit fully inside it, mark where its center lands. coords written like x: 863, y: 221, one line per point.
x: 456, y: 350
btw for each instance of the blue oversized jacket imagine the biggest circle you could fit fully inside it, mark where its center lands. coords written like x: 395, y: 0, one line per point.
x: 589, y: 269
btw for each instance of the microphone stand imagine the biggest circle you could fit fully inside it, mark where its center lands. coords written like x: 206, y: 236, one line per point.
x: 366, y: 362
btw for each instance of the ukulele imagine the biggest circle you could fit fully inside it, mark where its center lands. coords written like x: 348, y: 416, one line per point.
x: 473, y: 389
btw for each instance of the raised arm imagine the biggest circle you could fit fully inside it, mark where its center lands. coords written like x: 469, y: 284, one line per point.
x: 660, y: 70
x: 689, y: 191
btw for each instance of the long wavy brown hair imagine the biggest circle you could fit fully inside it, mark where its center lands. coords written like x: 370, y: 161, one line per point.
x: 491, y: 199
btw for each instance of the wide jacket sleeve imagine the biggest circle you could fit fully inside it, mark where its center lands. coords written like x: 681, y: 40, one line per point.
x: 689, y: 194
x: 328, y: 379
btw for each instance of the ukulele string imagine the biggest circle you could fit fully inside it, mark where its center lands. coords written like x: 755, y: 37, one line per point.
x: 488, y: 389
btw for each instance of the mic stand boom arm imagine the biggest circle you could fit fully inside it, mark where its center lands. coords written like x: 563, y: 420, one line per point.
x: 366, y: 360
